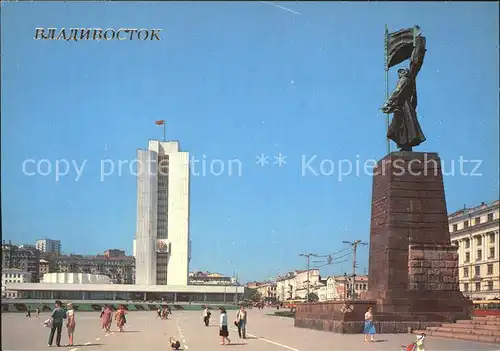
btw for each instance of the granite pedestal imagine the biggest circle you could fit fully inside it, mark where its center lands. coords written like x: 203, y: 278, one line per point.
x: 413, y: 268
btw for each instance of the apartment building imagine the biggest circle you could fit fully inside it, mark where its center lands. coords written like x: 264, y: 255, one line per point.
x: 25, y: 259
x: 49, y: 246
x: 475, y: 231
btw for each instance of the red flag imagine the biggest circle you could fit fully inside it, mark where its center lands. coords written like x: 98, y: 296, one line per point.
x: 160, y: 122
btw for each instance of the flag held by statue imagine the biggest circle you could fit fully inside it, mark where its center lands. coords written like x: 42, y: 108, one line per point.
x: 400, y: 45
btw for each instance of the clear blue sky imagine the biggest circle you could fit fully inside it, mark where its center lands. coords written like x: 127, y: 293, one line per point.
x: 234, y: 80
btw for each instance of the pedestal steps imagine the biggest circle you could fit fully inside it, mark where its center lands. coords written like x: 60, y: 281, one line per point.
x: 482, y: 329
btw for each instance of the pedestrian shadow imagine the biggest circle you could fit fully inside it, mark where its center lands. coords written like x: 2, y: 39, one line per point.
x: 251, y: 338
x: 85, y: 345
x: 381, y: 340
x: 131, y: 331
x: 236, y: 344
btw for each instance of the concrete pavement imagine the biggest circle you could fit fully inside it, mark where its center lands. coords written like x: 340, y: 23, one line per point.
x: 145, y: 332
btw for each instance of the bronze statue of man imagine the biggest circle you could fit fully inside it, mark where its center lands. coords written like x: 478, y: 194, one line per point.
x: 405, y: 129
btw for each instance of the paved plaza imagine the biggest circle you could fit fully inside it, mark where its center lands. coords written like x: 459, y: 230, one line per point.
x: 145, y: 332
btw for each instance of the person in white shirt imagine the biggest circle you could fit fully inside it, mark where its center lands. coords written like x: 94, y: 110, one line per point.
x: 223, y: 329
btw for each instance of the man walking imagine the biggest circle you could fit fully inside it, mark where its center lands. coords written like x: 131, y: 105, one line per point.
x: 58, y: 315
x: 241, y: 319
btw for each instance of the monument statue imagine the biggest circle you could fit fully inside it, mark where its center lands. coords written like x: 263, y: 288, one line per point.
x: 405, y: 129
x: 413, y: 280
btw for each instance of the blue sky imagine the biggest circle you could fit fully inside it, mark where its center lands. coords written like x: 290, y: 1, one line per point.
x: 234, y: 80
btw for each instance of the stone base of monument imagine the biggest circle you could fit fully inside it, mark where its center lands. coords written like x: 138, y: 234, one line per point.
x: 348, y: 318
x: 413, y: 268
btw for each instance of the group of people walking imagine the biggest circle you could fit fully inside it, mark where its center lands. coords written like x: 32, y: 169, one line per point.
x: 56, y: 320
x: 163, y: 312
x: 59, y: 315
x: 107, y: 318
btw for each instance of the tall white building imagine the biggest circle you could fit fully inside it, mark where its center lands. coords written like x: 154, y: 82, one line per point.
x: 162, y: 245
x: 49, y: 246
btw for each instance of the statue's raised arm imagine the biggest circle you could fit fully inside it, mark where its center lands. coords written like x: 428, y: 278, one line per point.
x: 417, y: 56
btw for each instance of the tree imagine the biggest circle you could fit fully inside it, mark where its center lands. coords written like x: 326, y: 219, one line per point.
x: 313, y: 297
x: 252, y: 295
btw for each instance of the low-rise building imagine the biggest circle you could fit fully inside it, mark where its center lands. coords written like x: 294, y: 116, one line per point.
x: 342, y: 287
x: 43, y: 267
x: 294, y: 285
x: 208, y: 278
x: 13, y: 276
x: 475, y: 232
x: 267, y: 291
x: 75, y: 278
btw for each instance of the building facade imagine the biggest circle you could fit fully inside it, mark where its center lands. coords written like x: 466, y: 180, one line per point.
x: 43, y: 267
x: 121, y: 270
x: 114, y: 253
x: 130, y: 293
x: 475, y: 232
x: 208, y: 278
x: 25, y: 259
x: 75, y: 278
x: 294, y: 285
x: 267, y: 291
x: 49, y: 246
x: 13, y: 276
x: 161, y: 245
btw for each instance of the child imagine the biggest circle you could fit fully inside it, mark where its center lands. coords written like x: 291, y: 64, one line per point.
x: 420, y: 342
x: 175, y: 344
x: 418, y: 345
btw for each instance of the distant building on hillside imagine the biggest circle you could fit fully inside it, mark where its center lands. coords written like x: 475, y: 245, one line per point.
x: 114, y: 253
x: 208, y: 278
x: 120, y: 269
x: 25, y: 259
x: 27, y: 246
x: 49, y: 246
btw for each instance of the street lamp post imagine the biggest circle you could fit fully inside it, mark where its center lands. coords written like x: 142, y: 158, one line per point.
x: 308, y: 256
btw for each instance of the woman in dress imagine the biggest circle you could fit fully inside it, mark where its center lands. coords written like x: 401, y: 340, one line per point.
x: 107, y: 317
x: 120, y: 318
x: 223, y: 330
x: 369, y: 326
x: 71, y: 323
